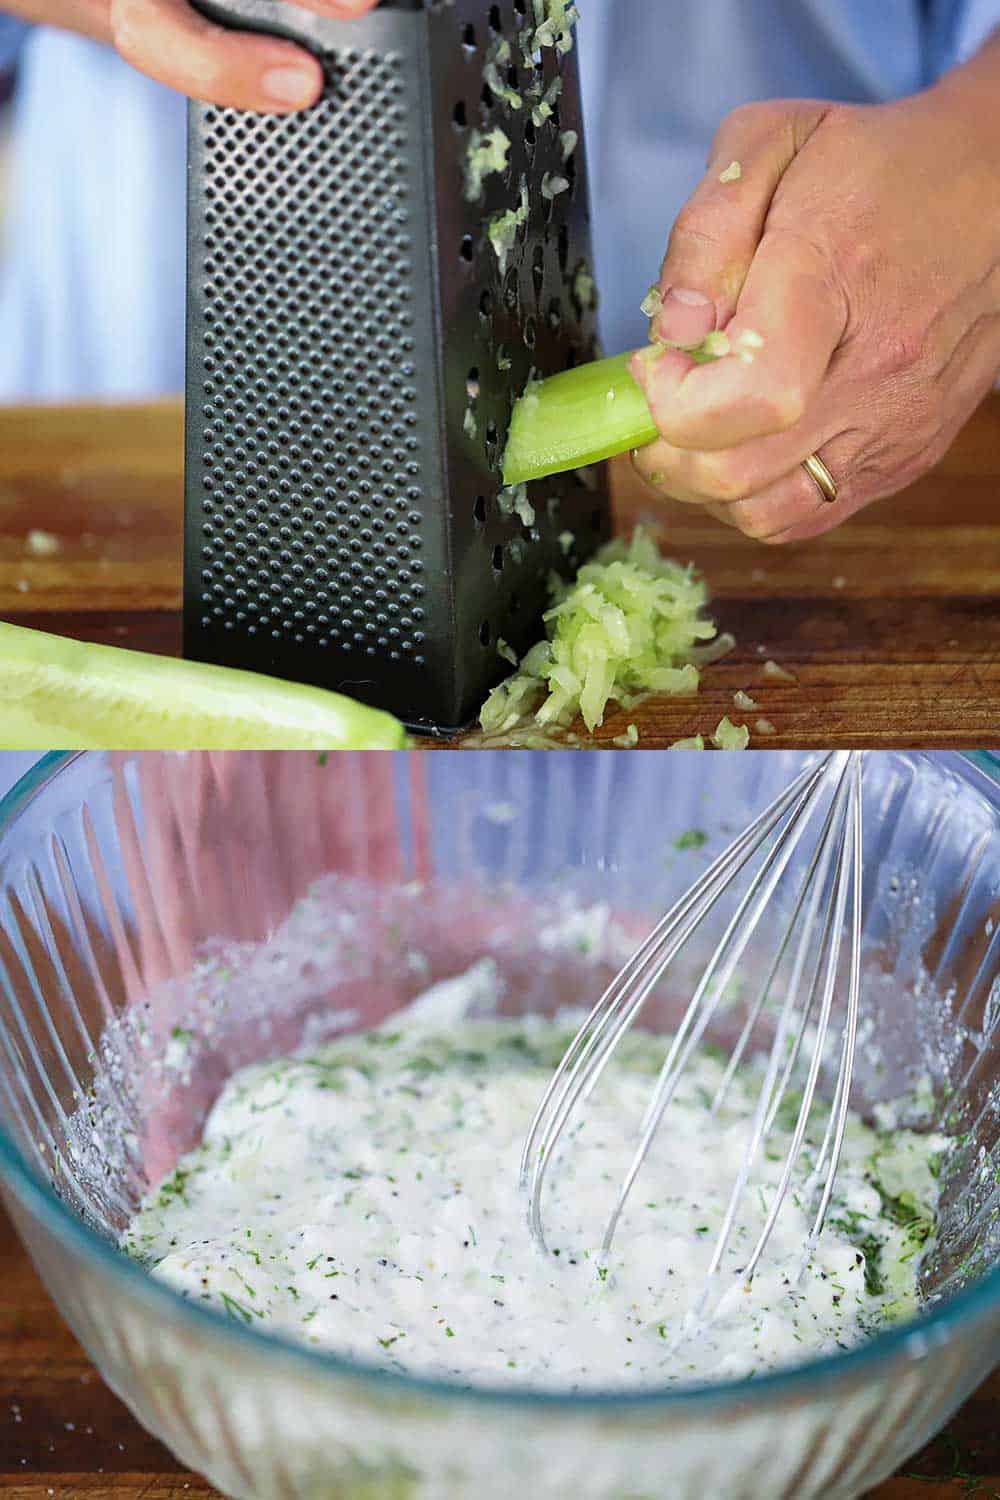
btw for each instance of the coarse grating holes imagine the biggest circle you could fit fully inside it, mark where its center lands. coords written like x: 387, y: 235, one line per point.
x: 538, y: 270
x: 485, y: 633
x: 467, y: 247
x: 563, y: 248
x: 497, y: 559
x: 479, y: 509
x: 317, y: 450
x: 486, y: 303
x: 469, y: 37
x: 459, y: 116
x: 496, y: 24
x: 472, y: 384
x: 511, y: 290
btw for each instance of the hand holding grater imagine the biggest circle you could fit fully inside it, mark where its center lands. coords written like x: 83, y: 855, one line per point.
x: 371, y: 284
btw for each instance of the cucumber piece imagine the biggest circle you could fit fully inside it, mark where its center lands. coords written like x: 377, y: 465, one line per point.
x: 68, y: 695
x: 584, y: 415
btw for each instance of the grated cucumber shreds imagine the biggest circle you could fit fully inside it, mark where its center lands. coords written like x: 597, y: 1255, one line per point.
x: 503, y: 228
x: 485, y: 155
x: 630, y: 625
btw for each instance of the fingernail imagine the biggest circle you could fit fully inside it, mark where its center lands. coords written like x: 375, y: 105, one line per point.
x: 689, y: 299
x: 289, y: 85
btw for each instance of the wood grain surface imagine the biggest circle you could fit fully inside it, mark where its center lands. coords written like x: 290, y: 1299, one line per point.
x: 63, y: 1434
x: 891, y: 624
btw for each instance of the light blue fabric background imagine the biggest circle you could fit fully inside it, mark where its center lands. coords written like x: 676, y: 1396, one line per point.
x: 91, y: 282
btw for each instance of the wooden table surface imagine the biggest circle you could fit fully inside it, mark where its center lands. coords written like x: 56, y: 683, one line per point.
x: 63, y: 1434
x: 891, y: 624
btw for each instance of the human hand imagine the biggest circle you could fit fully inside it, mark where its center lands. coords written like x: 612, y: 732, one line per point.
x: 860, y: 244
x: 171, y: 42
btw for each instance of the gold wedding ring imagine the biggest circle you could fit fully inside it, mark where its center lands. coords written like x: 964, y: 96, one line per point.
x: 822, y: 478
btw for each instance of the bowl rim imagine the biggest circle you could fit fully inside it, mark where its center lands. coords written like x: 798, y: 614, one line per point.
x: 914, y: 1339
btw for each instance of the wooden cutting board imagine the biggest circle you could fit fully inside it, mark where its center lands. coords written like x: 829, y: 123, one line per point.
x: 891, y: 624
x: 63, y: 1434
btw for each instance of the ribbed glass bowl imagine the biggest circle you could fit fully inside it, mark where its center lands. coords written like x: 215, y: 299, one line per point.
x: 134, y: 890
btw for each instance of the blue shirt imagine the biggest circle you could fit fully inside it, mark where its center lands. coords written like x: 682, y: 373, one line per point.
x: 92, y: 276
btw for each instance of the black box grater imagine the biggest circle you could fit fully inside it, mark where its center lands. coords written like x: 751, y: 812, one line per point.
x: 355, y: 345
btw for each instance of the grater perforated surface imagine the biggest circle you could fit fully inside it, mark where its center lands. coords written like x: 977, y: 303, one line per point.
x: 354, y: 350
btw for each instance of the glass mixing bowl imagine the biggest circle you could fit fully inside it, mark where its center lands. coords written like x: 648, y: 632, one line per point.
x: 145, y: 951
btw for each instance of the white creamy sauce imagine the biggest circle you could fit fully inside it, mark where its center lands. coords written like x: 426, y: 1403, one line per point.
x: 365, y: 1198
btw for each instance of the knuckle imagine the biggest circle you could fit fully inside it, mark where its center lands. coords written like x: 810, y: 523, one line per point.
x: 748, y: 120
x: 693, y: 230
x: 126, y: 31
x: 752, y: 523
x: 898, y: 350
x: 723, y: 478
x: 788, y: 405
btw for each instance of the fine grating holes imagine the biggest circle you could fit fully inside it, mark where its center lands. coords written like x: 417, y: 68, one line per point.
x: 530, y: 332
x: 485, y: 633
x: 269, y: 381
x: 486, y: 303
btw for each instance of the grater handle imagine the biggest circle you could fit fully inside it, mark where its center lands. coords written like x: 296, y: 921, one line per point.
x: 276, y: 17
x: 282, y: 17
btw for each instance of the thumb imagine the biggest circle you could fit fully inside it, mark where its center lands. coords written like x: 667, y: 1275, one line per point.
x: 716, y: 234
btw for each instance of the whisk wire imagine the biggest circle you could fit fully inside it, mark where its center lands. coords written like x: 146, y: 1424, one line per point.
x: 769, y: 1096
x: 713, y: 983
x: 833, y: 923
x: 831, y: 885
x: 651, y: 959
x: 838, y: 1115
x: 812, y: 888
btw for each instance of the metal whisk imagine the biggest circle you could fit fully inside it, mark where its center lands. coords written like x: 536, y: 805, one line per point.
x: 825, y: 913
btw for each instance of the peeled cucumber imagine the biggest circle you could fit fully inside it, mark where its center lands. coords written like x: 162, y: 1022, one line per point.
x: 65, y: 694
x: 583, y: 415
